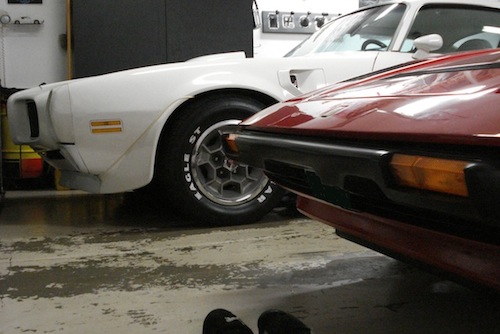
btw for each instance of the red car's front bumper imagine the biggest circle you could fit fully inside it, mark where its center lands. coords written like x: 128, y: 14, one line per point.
x: 472, y: 260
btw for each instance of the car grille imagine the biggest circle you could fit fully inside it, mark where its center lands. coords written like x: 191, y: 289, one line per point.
x: 289, y: 176
x: 33, y: 119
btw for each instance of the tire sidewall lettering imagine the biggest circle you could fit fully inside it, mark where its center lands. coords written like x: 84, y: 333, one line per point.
x: 187, y: 170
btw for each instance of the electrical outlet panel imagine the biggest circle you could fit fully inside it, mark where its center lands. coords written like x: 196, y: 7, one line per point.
x: 294, y: 22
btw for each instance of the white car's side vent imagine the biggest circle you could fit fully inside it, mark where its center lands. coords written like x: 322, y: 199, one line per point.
x: 33, y: 119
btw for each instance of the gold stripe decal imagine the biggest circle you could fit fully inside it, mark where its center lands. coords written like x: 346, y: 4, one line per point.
x: 106, y: 126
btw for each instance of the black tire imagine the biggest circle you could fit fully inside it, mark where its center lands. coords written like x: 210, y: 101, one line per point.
x: 200, y: 182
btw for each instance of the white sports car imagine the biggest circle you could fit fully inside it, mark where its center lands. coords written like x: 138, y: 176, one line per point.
x: 121, y: 131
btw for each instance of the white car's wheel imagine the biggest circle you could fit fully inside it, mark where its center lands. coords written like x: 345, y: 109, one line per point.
x: 202, y: 183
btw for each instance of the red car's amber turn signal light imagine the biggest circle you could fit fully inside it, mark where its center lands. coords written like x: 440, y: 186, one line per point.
x: 231, y: 142
x: 434, y: 174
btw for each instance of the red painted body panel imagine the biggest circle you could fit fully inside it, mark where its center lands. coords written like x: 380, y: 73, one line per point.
x: 449, y: 107
x: 468, y: 259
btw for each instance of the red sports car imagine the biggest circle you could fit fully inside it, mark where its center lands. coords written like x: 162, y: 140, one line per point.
x: 406, y: 161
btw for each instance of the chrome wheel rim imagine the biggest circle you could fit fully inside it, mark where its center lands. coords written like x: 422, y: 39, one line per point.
x: 219, y: 178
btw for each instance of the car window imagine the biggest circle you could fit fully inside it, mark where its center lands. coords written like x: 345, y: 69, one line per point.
x: 492, y: 38
x: 369, y: 29
x: 461, y: 27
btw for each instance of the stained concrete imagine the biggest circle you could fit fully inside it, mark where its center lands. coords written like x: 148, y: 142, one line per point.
x: 78, y: 263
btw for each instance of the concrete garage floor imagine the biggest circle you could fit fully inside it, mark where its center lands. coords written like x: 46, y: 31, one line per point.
x: 78, y: 263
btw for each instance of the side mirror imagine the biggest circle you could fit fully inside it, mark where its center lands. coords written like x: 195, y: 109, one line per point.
x: 426, y: 44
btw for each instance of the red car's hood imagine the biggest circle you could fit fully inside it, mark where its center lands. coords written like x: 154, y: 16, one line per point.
x: 459, y: 105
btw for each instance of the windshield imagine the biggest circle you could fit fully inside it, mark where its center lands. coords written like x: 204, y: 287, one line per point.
x: 369, y: 29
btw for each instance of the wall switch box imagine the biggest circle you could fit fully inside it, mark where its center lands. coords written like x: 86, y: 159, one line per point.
x: 294, y: 22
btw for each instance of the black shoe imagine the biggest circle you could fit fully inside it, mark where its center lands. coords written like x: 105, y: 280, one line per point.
x: 279, y: 322
x: 221, y: 321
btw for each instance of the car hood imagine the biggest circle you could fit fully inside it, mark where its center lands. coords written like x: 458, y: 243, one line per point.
x: 434, y: 106
x: 218, y: 57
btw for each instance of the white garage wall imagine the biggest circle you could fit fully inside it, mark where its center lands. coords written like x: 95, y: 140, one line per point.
x: 31, y: 55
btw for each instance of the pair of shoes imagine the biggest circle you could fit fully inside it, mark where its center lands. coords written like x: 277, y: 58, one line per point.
x: 221, y: 321
x: 279, y: 322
